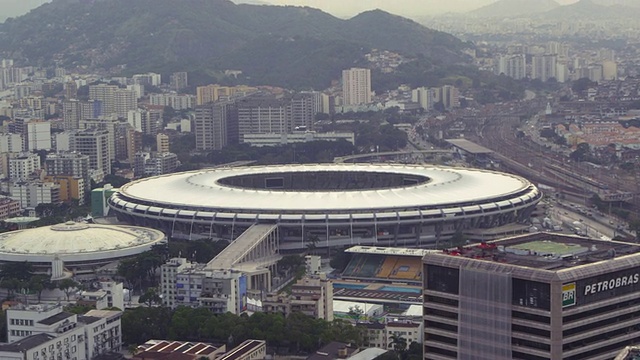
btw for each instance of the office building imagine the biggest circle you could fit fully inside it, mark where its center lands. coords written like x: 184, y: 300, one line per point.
x: 24, y: 167
x: 537, y: 296
x: 216, y: 125
x: 178, y: 80
x: 95, y: 144
x: 356, y: 86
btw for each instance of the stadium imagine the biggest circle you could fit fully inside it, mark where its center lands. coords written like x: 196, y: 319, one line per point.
x: 75, y: 248
x: 327, y: 205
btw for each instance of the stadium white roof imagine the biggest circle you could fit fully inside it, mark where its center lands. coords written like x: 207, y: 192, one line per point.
x: 76, y: 242
x: 202, y: 189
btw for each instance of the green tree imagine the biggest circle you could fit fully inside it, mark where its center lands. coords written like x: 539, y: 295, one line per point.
x: 39, y: 283
x: 150, y: 297
x: 399, y: 345
x: 67, y: 286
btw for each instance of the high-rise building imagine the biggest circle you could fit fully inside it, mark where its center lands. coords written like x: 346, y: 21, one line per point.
x: 356, y: 86
x: 423, y: 96
x: 162, y: 143
x: 69, y: 164
x: 215, y: 92
x: 261, y: 114
x: 24, y: 167
x: 179, y: 80
x: 543, y: 67
x: 144, y: 121
x: 151, y: 79
x: 302, y: 111
x: 216, y: 125
x: 32, y: 194
x: 538, y: 296
x: 106, y: 95
x: 70, y: 90
x: 104, y: 123
x: 38, y: 135
x: 125, y: 101
x: 95, y: 144
x: 11, y: 143
x: 71, y: 114
x: 514, y: 66
x: 609, y: 70
x: 450, y: 97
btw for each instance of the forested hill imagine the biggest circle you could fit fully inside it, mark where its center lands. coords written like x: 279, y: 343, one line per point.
x: 300, y: 46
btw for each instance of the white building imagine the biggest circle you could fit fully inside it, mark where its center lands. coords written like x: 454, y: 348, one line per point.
x: 39, y: 332
x: 176, y: 101
x: 32, y: 194
x: 24, y: 166
x: 124, y: 101
x: 11, y: 143
x: 423, y: 96
x: 356, y: 86
x: 514, y: 66
x: 95, y: 144
x: 194, y: 285
x: 38, y: 135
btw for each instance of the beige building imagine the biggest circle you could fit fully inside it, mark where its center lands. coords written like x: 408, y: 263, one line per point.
x: 162, y: 143
x: 310, y: 296
x: 356, y: 86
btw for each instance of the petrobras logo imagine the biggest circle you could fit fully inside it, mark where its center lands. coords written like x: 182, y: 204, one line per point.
x: 568, y: 294
x: 619, y: 282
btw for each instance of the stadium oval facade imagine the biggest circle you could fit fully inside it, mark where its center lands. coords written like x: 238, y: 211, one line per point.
x: 333, y: 204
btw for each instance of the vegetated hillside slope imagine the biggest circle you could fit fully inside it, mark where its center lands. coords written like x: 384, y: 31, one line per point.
x: 210, y: 35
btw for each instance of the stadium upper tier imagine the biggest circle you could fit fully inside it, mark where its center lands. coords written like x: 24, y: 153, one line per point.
x: 339, y: 203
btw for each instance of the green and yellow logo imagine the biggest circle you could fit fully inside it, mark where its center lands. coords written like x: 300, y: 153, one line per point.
x: 568, y: 294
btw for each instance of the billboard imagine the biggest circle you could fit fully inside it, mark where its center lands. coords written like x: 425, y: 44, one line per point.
x: 602, y: 287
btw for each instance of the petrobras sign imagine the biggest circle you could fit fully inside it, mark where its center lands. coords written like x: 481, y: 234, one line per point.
x: 602, y: 287
x: 568, y: 294
x: 611, y: 284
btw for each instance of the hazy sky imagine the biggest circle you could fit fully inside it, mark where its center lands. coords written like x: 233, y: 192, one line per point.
x: 409, y: 8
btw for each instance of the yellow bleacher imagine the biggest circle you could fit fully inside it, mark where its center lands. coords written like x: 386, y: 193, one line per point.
x: 407, y: 268
x: 387, y: 267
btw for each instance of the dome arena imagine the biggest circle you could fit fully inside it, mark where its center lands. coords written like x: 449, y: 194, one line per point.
x: 329, y: 204
x: 77, y: 248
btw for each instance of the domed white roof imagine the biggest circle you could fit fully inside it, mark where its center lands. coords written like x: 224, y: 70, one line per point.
x: 76, y: 242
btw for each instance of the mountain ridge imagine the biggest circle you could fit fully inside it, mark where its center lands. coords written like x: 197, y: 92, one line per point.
x: 506, y: 8
x: 210, y: 35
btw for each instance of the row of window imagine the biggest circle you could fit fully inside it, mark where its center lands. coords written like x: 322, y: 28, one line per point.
x: 21, y: 322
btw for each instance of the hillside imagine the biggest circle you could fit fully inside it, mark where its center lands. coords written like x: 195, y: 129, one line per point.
x: 299, y: 45
x: 507, y: 8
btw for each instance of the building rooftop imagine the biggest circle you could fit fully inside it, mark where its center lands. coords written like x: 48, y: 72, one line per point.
x: 332, y: 351
x: 544, y: 251
x: 174, y: 350
x: 56, y: 318
x: 389, y: 251
x: 241, y: 350
x: 27, y: 343
x: 468, y: 146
